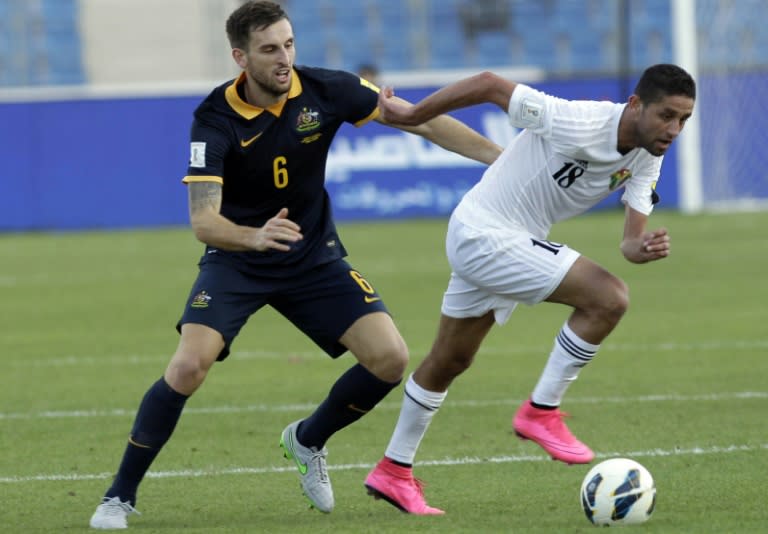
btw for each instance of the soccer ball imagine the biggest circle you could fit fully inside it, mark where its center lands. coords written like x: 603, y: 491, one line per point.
x: 618, y: 491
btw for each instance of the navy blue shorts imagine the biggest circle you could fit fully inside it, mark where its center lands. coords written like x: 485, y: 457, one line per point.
x: 323, y: 302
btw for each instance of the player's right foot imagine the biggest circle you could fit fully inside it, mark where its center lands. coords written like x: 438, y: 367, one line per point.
x: 396, y: 485
x: 546, y: 427
x: 313, y: 472
x: 112, y: 514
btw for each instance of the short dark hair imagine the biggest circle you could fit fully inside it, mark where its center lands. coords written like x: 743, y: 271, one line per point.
x: 663, y: 80
x: 252, y: 15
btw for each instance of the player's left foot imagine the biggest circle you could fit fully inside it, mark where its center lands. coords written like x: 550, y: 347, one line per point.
x: 112, y: 514
x: 396, y: 485
x: 546, y: 427
x: 313, y: 472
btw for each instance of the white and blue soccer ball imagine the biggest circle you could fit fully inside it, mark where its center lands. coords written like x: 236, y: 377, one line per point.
x: 618, y: 491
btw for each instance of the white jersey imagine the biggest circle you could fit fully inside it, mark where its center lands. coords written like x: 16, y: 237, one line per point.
x: 564, y: 162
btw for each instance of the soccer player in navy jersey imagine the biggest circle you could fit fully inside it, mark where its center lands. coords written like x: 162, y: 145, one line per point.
x: 257, y: 201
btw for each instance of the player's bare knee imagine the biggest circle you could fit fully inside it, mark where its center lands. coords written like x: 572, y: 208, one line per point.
x: 449, y: 364
x: 398, y: 361
x: 615, y: 302
x: 459, y: 362
x: 621, y: 304
x: 388, y: 363
x: 186, y: 373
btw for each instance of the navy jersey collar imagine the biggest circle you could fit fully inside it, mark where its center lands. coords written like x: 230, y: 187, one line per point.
x: 249, y: 111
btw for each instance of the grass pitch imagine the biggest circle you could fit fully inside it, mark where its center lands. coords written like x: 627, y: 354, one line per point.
x: 87, y: 325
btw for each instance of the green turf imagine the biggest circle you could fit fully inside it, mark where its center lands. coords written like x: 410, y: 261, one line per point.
x: 682, y: 386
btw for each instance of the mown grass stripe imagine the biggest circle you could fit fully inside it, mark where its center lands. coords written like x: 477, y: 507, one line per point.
x: 690, y: 451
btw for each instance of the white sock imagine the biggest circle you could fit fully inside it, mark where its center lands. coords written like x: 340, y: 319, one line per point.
x: 416, y: 412
x: 569, y: 354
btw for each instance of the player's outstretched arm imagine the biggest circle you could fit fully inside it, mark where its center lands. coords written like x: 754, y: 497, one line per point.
x: 457, y: 137
x: 428, y: 118
x: 485, y: 87
x: 639, y: 246
x: 452, y: 135
x: 215, y: 230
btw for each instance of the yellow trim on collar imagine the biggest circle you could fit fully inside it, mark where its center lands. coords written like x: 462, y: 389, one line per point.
x: 248, y: 111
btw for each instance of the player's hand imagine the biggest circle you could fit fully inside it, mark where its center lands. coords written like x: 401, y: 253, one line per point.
x: 394, y: 110
x: 277, y: 233
x: 650, y: 246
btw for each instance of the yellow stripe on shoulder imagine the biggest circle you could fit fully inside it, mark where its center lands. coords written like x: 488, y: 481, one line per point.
x: 372, y: 86
x: 197, y: 179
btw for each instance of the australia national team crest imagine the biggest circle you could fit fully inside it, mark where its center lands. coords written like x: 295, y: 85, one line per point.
x: 201, y: 300
x: 619, y: 177
x: 307, y: 120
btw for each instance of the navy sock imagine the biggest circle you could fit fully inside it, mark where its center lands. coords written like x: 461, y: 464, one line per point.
x: 157, y: 417
x: 353, y: 395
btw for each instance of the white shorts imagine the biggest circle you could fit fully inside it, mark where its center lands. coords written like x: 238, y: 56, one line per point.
x: 495, y: 268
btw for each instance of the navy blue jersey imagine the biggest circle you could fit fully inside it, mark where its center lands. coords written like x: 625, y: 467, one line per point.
x: 267, y: 159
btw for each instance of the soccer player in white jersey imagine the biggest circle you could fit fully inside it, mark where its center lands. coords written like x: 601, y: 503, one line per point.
x: 569, y: 156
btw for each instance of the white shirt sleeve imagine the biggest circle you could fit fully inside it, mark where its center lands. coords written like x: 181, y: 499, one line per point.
x: 526, y: 108
x: 639, y: 190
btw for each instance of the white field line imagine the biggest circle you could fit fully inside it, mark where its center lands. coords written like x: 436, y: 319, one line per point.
x: 281, y: 408
x: 692, y: 451
x: 138, y: 359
